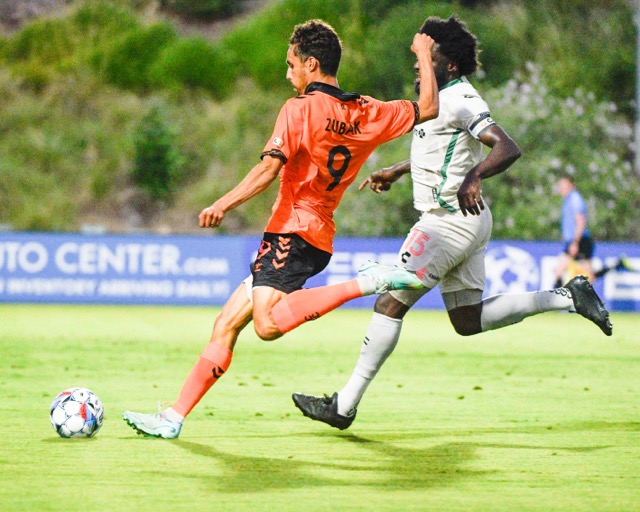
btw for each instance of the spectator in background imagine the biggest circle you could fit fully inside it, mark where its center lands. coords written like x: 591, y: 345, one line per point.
x: 578, y: 245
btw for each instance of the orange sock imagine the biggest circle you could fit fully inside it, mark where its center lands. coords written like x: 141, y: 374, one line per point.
x: 213, y: 362
x: 311, y: 303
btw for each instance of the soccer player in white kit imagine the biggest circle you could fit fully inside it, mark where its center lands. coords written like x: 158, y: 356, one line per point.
x: 447, y: 244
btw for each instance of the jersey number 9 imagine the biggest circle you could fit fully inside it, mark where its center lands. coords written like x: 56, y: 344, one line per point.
x: 338, y: 173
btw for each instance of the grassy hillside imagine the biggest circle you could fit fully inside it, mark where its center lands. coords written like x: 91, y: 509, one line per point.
x: 96, y: 97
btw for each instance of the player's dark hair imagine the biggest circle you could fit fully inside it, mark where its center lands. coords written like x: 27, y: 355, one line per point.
x: 455, y: 41
x: 318, y: 39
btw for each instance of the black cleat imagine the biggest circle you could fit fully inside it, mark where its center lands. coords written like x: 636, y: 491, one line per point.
x: 322, y: 408
x: 588, y: 304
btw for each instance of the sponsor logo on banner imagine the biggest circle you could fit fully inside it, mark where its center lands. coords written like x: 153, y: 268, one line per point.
x: 79, y: 268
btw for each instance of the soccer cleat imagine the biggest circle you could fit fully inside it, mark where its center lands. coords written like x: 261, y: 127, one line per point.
x: 588, y: 304
x: 323, y: 408
x: 152, y: 425
x: 389, y: 278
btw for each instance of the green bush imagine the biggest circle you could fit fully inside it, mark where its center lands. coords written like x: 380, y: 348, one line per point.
x: 193, y: 63
x: 157, y: 162
x: 128, y: 61
x: 45, y: 41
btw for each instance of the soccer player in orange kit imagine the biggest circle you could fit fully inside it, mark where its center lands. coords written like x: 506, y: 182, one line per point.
x: 320, y: 140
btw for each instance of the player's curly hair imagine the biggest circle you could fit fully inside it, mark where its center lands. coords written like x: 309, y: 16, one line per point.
x: 318, y: 39
x: 455, y: 40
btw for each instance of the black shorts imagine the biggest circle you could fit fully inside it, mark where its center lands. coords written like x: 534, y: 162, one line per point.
x: 286, y: 261
x: 585, y: 248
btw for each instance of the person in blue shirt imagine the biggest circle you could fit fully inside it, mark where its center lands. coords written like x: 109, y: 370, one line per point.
x: 578, y: 244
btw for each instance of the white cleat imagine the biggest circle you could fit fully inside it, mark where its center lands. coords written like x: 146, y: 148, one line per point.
x: 389, y: 278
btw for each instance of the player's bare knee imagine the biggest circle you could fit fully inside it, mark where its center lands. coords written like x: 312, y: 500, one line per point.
x: 266, y: 331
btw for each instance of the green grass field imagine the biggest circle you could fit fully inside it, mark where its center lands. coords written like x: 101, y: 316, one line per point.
x: 541, y: 416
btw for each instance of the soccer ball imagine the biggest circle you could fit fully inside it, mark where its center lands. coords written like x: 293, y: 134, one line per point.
x: 77, y: 412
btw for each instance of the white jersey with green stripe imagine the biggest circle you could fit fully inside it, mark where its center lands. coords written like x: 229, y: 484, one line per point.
x: 444, y: 149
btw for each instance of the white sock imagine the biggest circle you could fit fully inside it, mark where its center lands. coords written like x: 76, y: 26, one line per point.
x: 173, y: 415
x: 382, y: 337
x: 510, y: 308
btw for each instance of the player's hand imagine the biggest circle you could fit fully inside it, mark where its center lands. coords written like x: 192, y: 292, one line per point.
x: 211, y: 217
x: 379, y: 181
x: 422, y: 43
x: 469, y: 196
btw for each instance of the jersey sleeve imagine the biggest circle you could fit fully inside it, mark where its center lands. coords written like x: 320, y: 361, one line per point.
x: 395, y: 118
x: 472, y: 114
x: 287, y: 133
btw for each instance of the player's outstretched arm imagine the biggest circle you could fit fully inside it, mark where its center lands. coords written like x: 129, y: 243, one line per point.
x: 428, y: 101
x: 383, y: 179
x: 254, y: 183
x: 504, y: 151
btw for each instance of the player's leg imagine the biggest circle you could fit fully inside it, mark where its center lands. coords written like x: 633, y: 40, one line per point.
x: 216, y: 357
x: 264, y: 299
x: 312, y: 303
x: 505, y: 309
x: 286, y: 262
x: 339, y: 410
x: 210, y: 366
x: 283, y: 265
x: 469, y: 314
x: 379, y: 342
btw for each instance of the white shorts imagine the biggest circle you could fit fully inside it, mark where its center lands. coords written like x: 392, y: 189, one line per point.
x: 446, y: 249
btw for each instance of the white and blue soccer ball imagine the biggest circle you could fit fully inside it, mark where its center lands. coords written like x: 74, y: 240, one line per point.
x: 77, y: 412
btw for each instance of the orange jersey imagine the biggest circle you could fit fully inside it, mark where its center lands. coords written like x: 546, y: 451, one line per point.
x: 324, y: 137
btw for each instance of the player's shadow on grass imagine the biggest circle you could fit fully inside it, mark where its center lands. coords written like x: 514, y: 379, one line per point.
x: 441, y: 465
x: 246, y: 474
x: 382, y: 464
x: 391, y: 467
